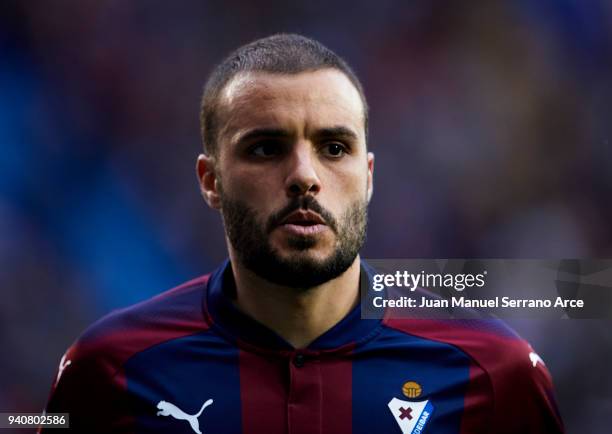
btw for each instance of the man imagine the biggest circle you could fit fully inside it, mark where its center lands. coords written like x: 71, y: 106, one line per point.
x: 272, y: 341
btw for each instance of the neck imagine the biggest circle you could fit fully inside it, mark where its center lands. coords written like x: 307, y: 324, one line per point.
x: 298, y: 316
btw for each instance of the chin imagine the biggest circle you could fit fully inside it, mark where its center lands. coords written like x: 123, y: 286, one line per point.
x: 312, y: 246
x: 314, y: 256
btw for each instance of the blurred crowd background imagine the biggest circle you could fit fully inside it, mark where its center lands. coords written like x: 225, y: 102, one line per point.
x: 490, y: 121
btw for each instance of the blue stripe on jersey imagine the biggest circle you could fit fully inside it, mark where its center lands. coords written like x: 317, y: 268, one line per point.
x: 382, y: 366
x: 186, y: 372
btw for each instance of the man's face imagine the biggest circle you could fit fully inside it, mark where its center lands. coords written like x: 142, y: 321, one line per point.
x: 293, y: 175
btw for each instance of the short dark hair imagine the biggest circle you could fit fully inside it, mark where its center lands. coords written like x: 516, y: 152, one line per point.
x: 280, y: 54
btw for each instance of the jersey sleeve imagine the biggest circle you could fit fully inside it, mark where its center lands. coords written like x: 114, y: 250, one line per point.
x: 523, y: 394
x: 89, y: 388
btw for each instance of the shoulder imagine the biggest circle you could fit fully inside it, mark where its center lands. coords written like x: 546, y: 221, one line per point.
x: 90, y: 375
x: 490, y: 343
x: 114, y: 338
x: 483, y: 339
x: 505, y: 371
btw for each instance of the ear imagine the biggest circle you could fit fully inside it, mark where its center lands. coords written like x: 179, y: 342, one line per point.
x: 370, y: 175
x: 207, y: 178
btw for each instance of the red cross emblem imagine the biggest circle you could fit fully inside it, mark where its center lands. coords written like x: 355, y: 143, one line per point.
x: 405, y: 413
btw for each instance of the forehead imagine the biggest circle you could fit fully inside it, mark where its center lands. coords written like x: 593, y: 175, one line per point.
x: 314, y: 99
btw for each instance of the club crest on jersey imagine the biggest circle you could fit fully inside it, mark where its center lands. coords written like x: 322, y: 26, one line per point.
x: 411, y: 416
x: 412, y: 389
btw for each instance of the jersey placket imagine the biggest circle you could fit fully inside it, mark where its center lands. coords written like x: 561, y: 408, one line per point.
x: 304, y: 395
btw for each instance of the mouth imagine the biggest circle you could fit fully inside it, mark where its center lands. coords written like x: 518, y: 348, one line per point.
x: 303, y: 223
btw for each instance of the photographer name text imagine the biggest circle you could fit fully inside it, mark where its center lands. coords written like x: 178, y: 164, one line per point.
x: 488, y: 303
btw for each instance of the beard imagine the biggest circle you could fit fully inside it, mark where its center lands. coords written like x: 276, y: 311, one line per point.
x: 251, y: 242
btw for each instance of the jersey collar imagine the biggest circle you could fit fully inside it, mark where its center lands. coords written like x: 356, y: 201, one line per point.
x: 229, y: 321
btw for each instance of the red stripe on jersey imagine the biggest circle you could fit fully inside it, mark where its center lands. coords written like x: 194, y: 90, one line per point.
x: 262, y: 391
x: 337, y: 387
x: 304, y: 407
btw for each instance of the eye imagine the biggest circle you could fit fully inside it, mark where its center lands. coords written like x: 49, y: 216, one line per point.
x: 334, y: 149
x: 265, y: 149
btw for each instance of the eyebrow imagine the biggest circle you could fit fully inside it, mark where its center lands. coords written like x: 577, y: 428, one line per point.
x: 320, y: 134
x: 336, y: 132
x: 258, y: 133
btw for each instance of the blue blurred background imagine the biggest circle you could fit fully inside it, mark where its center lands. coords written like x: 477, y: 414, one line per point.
x: 489, y: 121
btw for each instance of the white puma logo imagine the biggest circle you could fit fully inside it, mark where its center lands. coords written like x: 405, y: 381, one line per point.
x: 63, y: 365
x: 168, y: 409
x: 535, y: 359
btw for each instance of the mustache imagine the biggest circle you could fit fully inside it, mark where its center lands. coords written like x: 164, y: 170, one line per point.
x: 307, y: 203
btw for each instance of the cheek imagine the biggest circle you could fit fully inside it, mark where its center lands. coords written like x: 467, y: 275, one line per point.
x: 347, y: 186
x: 256, y: 188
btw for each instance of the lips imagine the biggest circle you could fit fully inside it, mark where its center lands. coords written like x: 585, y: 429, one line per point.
x: 303, y: 223
x: 303, y: 218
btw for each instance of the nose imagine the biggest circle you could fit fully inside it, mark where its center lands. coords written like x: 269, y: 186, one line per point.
x: 302, y: 176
